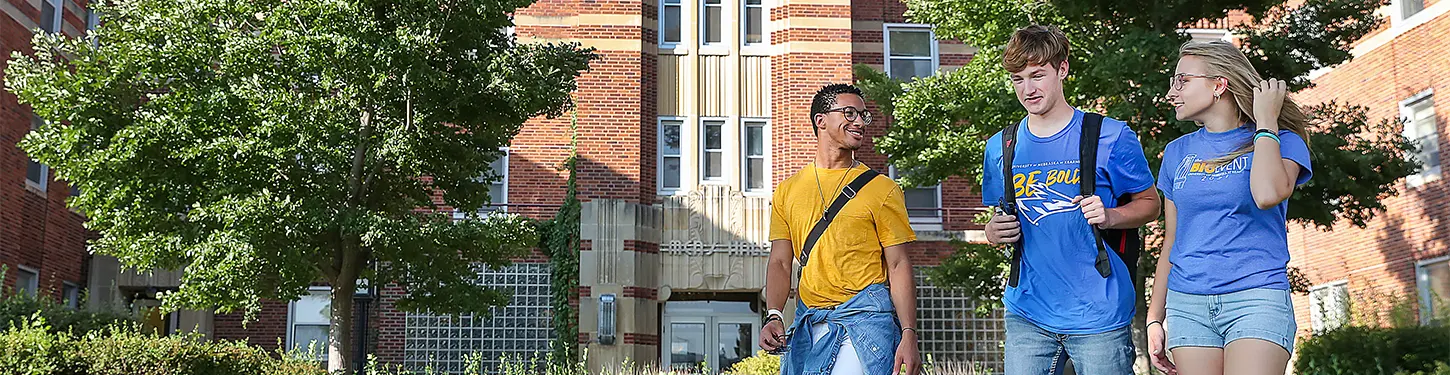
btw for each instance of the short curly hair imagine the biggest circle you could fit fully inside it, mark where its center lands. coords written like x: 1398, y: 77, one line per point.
x: 826, y: 98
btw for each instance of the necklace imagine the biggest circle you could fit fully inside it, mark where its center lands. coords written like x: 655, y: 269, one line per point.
x: 822, y: 194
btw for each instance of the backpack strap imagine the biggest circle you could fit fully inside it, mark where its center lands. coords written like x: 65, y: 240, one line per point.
x: 1092, y: 127
x: 1008, y: 204
x: 850, y: 191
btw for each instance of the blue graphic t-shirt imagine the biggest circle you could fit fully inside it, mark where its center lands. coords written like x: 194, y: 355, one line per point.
x: 1224, y: 242
x: 1058, y: 287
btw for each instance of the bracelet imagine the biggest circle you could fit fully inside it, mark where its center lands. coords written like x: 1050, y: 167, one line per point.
x: 1159, y: 322
x: 904, y: 329
x: 1266, y: 133
x: 771, y: 318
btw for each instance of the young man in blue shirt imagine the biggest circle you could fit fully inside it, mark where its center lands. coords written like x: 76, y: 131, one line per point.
x: 1061, y: 306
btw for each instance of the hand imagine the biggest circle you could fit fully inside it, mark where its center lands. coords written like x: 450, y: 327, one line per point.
x: 1003, y: 229
x: 1268, y: 100
x: 908, y: 359
x: 1092, y: 209
x: 1156, y: 351
x: 770, y: 335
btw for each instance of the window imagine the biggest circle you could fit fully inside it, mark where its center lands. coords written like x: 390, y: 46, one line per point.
x: 670, y: 32
x: 912, y: 51
x: 50, y: 11
x: 37, y: 174
x: 71, y: 296
x: 1421, y: 128
x: 93, y: 19
x: 754, y: 26
x: 756, y: 171
x: 308, y: 323
x: 710, y: 22
x: 27, y: 281
x: 498, y: 189
x: 1409, y: 8
x: 670, y: 155
x: 923, y: 204
x: 1329, y: 306
x: 1433, y: 277
x: 712, y: 160
x: 949, y: 331
x: 707, y: 337
x: 522, y: 329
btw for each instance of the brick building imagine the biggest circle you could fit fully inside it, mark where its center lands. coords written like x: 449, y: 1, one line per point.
x: 1400, y: 71
x: 42, y: 243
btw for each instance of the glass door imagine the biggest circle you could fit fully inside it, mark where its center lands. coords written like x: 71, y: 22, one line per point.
x: 707, y: 337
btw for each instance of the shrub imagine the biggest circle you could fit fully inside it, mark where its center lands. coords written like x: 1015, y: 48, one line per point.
x: 761, y: 363
x: 16, y: 308
x: 1368, y: 350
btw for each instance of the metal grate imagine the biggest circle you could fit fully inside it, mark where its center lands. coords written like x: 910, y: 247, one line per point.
x: 523, y: 329
x: 952, y: 332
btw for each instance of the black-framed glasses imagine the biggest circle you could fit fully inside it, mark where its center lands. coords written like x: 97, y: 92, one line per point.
x: 852, y: 114
x: 1182, y: 78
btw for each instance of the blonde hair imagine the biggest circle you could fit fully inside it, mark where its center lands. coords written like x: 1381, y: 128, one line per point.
x: 1227, y: 61
x: 1035, y: 45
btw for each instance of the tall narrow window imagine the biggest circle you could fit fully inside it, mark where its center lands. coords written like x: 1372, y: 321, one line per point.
x: 670, y: 32
x: 710, y: 25
x: 498, y: 189
x: 1421, y: 128
x: 754, y: 22
x: 27, y: 281
x: 670, y: 160
x: 1409, y: 8
x: 308, y: 323
x: 37, y: 174
x: 1433, y: 277
x: 713, y: 156
x: 912, y: 52
x: 923, y: 204
x: 50, y: 11
x: 756, y: 171
x: 71, y: 296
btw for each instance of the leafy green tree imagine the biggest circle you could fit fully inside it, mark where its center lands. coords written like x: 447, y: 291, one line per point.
x: 264, y: 145
x: 1121, y: 61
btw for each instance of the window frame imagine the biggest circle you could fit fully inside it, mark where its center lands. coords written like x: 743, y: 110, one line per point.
x: 886, y: 45
x: 1422, y: 287
x: 33, y: 287
x: 703, y: 29
x: 44, y: 184
x: 745, y: 124
x: 492, y: 207
x: 1316, y: 320
x: 292, y: 323
x: 660, y: 155
x: 672, y: 48
x: 705, y: 150
x: 57, y: 20
x: 1399, y: 8
x: 1408, y: 108
x: 745, y: 25
x: 921, y: 223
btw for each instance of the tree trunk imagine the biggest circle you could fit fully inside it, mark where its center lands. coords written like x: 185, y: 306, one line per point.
x: 1143, y: 364
x: 339, y: 357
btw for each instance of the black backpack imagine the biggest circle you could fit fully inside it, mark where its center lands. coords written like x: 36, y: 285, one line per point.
x: 1128, y: 243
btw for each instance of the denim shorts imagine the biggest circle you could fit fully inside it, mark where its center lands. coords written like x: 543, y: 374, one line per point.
x: 1215, y: 320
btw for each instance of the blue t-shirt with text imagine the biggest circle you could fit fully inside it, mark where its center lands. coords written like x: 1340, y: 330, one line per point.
x: 1224, y: 242
x: 1059, y: 289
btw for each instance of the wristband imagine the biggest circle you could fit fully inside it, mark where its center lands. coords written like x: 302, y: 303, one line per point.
x: 904, y: 329
x: 1159, y: 322
x: 1266, y: 133
x: 775, y: 313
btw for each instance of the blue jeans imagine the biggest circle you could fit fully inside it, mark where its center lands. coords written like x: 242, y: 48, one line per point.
x: 868, y: 319
x: 1215, y: 320
x: 1031, y: 350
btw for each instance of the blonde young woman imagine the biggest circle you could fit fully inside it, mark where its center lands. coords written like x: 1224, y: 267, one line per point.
x: 1225, y: 308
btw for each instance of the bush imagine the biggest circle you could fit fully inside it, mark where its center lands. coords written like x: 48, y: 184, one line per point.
x: 761, y: 363
x: 1367, y: 350
x: 16, y: 308
x: 1440, y: 369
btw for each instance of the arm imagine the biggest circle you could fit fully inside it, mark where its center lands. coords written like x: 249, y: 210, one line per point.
x: 903, y: 298
x: 777, y: 290
x: 1156, y: 302
x: 1272, y: 181
x: 1143, y: 208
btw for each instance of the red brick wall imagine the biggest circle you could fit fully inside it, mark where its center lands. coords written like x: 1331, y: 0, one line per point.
x: 1416, y: 224
x: 36, y: 228
x: 266, y: 332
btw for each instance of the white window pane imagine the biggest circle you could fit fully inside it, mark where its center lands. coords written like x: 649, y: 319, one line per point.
x: 714, y: 164
x: 1410, y: 7
x: 713, y: 138
x: 47, y: 16
x: 752, y: 2
x: 687, y: 346
x: 1437, y: 283
x: 912, y: 43
x: 756, y: 174
x: 671, y: 172
x: 755, y: 141
x: 670, y: 138
x: 906, y: 70
x: 672, y: 24
x: 307, y: 337
x: 736, y: 342
x: 35, y: 172
x: 497, y: 193
x: 921, y: 202
x: 753, y: 25
x: 713, y: 16
x: 313, y: 308
x: 27, y: 282
x: 72, y: 296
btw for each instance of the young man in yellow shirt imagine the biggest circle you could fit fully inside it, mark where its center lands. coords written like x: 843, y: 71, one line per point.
x: 848, y: 320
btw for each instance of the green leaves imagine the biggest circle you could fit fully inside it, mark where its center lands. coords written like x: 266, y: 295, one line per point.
x: 227, y: 137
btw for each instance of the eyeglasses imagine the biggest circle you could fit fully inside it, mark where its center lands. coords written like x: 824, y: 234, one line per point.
x: 852, y: 114
x: 1182, y: 78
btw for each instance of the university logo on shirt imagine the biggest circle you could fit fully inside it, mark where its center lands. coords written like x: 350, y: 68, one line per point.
x: 1191, y: 166
x: 1047, y: 191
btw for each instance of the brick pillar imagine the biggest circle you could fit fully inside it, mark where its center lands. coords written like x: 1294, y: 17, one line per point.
x: 814, y: 44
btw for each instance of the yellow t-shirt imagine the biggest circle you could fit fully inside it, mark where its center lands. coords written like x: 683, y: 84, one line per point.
x: 849, y: 256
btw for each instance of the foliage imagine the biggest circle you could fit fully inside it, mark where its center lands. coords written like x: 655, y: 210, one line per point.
x: 266, y: 145
x: 15, y: 309
x: 1373, y: 350
x: 1441, y: 368
x: 560, y: 239
x: 761, y: 363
